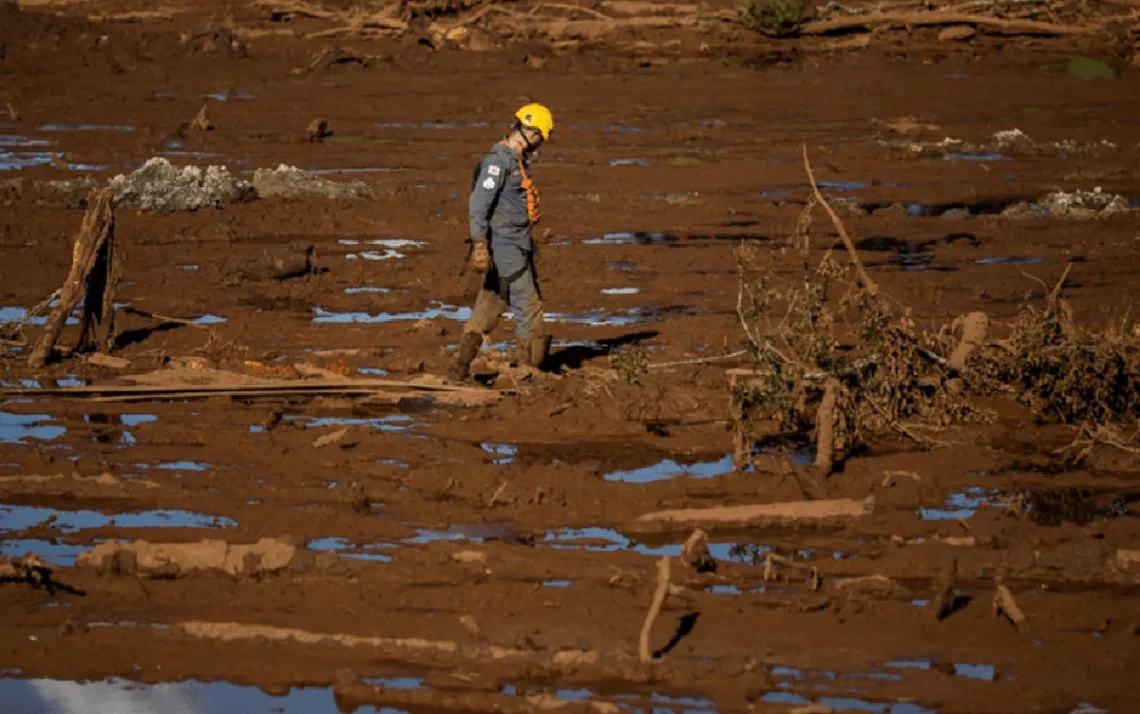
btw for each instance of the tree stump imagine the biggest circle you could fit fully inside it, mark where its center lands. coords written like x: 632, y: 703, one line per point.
x: 94, y: 273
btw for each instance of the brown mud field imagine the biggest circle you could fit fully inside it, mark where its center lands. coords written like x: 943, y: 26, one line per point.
x: 484, y: 549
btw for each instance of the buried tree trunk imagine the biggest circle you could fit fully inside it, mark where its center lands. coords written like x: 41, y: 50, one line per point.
x: 752, y: 515
x: 94, y: 272
x: 825, y: 427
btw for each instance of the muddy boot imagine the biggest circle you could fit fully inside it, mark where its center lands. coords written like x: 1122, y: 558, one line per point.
x: 539, y: 351
x: 468, y: 349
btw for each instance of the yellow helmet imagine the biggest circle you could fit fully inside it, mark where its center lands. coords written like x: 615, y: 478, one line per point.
x: 536, y: 116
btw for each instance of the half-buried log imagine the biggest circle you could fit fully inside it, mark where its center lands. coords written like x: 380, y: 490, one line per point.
x: 94, y: 274
x: 762, y: 514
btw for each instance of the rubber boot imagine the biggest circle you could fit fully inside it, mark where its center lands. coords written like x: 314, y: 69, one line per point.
x: 468, y: 349
x: 539, y: 351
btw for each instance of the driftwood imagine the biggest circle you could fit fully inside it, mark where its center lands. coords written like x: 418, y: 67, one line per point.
x: 201, y: 121
x: 825, y: 427
x: 94, y: 272
x: 752, y: 515
x: 935, y: 18
x: 659, y: 594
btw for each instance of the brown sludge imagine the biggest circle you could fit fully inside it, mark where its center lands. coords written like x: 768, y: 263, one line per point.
x: 261, y: 490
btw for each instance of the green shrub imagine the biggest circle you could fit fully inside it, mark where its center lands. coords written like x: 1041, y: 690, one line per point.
x: 772, y: 17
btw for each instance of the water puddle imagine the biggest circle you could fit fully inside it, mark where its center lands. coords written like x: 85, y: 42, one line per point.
x: 347, y: 549
x: 18, y: 428
x: 209, y: 320
x: 1014, y: 260
x: 390, y: 248
x: 608, y: 540
x: 846, y: 704
x: 669, y: 469
x: 981, y: 672
x: 177, y: 466
x: 365, y: 290
x: 962, y: 505
x: 624, y: 265
x: 228, y: 96
x: 620, y: 291
x: 435, y: 310
x: 632, y: 162
x: 118, y: 696
x: 187, y: 267
x: 434, y: 125
x: 60, y: 554
x: 14, y: 141
x: 600, y: 318
x: 18, y: 518
x: 505, y: 453
x: 972, y: 156
x: 86, y: 127
x: 396, y: 423
x: 373, y: 372
x: 462, y: 532
x: 632, y: 238
x: 557, y: 583
x: 842, y: 186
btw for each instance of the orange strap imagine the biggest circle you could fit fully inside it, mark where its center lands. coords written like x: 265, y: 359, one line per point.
x: 532, y: 201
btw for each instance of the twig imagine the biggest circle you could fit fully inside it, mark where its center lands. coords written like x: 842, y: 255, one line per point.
x: 868, y: 284
x: 654, y: 608
x: 923, y: 441
x: 700, y: 360
x: 495, y: 496
x: 576, y: 8
x: 1060, y: 284
x: 922, y: 19
x: 164, y: 318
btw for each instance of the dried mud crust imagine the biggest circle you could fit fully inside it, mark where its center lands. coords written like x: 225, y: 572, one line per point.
x: 498, y: 548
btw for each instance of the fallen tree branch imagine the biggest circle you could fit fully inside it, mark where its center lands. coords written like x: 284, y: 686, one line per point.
x: 659, y: 594
x: 752, y: 515
x: 698, y: 360
x: 164, y: 318
x: 934, y: 18
x: 868, y: 284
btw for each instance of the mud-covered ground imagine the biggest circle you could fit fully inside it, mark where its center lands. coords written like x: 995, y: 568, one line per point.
x: 488, y: 559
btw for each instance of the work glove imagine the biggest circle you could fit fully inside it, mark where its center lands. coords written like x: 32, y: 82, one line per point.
x: 480, y: 258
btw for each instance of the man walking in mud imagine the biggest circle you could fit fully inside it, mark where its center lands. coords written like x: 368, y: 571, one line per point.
x: 503, y: 210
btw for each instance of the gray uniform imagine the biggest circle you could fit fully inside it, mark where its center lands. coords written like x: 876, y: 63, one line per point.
x: 498, y: 213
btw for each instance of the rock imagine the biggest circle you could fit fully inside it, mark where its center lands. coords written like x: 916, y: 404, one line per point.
x: 957, y: 33
x: 162, y: 187
x: 469, y: 556
x: 956, y: 214
x: 330, y: 439
x: 1010, y: 139
x: 318, y: 129
x: 102, y: 360
x: 290, y: 181
x: 172, y: 560
x: 201, y: 122
x: 1077, y: 205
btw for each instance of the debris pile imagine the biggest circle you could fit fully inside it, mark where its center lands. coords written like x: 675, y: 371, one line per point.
x: 1075, y: 205
x: 290, y: 181
x: 1008, y: 141
x: 162, y: 187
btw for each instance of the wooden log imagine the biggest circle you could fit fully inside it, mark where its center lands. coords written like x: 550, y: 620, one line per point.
x: 752, y: 515
x: 935, y: 18
x: 825, y: 427
x: 659, y: 594
x: 95, y: 234
x: 975, y: 326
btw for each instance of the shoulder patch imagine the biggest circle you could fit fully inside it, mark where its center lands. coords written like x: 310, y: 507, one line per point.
x: 493, y: 170
x: 489, y: 183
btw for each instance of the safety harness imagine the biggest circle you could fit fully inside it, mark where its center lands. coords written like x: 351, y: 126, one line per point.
x: 533, y: 213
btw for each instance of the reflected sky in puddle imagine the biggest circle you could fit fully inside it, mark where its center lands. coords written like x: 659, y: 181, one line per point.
x: 963, y: 504
x: 434, y: 125
x: 13, y: 141
x: 601, y: 318
x: 631, y: 238
x: 19, y: 314
x: 846, y: 704
x: 17, y: 518
x: 632, y: 162
x: 981, y: 672
x: 1014, y: 260
x: 392, y: 422
x: 620, y: 291
x: 598, y: 539
x: 669, y: 469
x: 116, y: 696
x: 842, y: 186
x: 18, y: 428
x: 348, y: 549
x: 227, y: 96
x: 15, y: 162
x: 557, y: 583
x: 60, y: 554
x: 86, y: 127
x: 402, y: 684
x: 435, y: 310
x: 626, y: 265
x: 365, y: 289
x: 209, y: 320
x: 973, y: 156
x: 505, y: 453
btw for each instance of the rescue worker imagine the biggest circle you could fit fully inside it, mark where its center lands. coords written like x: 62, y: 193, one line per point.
x: 503, y: 209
